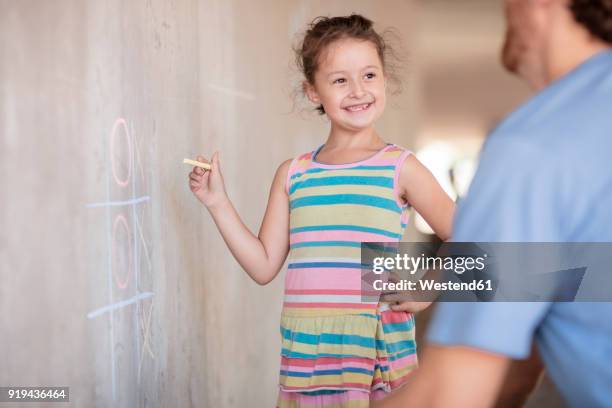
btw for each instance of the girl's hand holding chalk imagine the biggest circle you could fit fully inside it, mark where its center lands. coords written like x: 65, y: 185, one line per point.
x: 206, y: 180
x: 205, y: 166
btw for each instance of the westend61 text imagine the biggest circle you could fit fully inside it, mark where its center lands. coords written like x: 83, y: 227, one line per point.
x: 431, y: 284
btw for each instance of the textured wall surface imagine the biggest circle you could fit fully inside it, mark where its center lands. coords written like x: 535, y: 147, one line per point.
x: 114, y: 280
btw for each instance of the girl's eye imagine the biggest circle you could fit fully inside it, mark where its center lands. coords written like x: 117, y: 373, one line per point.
x: 340, y: 81
x: 370, y: 75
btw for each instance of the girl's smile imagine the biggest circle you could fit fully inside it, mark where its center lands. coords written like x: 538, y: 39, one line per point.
x: 359, y: 107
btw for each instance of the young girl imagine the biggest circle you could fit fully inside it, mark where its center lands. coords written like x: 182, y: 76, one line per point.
x: 337, y: 349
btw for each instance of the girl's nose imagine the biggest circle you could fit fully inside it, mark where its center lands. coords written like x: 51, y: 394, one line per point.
x: 357, y: 90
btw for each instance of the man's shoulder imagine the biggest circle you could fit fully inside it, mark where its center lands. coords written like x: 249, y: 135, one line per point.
x: 570, y: 114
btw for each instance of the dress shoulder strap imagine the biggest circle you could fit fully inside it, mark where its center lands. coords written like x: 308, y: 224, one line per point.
x: 298, y: 165
x: 394, y: 157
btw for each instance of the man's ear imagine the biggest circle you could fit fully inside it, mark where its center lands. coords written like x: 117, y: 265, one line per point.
x: 311, y: 92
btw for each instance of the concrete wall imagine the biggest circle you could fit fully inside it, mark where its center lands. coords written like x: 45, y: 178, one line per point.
x: 114, y: 280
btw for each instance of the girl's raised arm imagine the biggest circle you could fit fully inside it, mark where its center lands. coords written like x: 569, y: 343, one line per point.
x: 260, y: 256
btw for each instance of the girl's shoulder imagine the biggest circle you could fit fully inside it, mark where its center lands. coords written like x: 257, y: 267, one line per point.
x: 297, y: 165
x: 392, y: 155
x: 396, y: 151
x: 302, y: 160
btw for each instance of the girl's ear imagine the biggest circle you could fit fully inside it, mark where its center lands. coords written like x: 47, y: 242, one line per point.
x: 311, y: 92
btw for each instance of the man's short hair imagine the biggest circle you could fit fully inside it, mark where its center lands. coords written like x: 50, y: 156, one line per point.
x: 596, y: 16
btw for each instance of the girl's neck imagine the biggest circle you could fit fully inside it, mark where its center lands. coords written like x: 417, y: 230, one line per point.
x: 347, y: 139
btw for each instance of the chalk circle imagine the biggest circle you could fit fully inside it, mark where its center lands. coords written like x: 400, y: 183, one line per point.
x: 121, y: 222
x: 121, y: 123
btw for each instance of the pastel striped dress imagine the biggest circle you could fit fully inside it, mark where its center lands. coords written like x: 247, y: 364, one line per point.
x: 339, y: 350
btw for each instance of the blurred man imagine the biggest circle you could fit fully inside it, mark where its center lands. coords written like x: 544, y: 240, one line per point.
x: 545, y: 175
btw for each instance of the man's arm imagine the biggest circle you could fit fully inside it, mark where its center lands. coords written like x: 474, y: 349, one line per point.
x: 452, y: 376
x: 521, y: 379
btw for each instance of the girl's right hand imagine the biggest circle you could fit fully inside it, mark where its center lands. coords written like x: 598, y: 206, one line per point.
x: 208, y: 185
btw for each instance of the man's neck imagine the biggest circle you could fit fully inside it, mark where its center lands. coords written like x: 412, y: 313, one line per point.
x: 571, y: 58
x: 570, y: 46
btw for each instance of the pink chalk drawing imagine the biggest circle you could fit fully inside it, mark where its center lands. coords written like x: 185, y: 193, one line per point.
x: 121, y: 123
x: 130, y: 301
x: 121, y: 222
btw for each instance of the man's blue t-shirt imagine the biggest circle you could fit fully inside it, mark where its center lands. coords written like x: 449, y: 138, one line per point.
x: 545, y: 175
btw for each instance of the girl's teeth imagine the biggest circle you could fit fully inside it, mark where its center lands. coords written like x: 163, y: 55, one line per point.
x: 358, y: 107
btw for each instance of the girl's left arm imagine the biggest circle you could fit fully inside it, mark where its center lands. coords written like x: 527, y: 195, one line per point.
x: 420, y: 189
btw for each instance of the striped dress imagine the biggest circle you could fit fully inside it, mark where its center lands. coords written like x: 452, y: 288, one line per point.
x: 338, y: 349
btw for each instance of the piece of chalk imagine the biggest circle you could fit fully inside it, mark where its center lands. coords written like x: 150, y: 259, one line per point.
x: 197, y: 163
